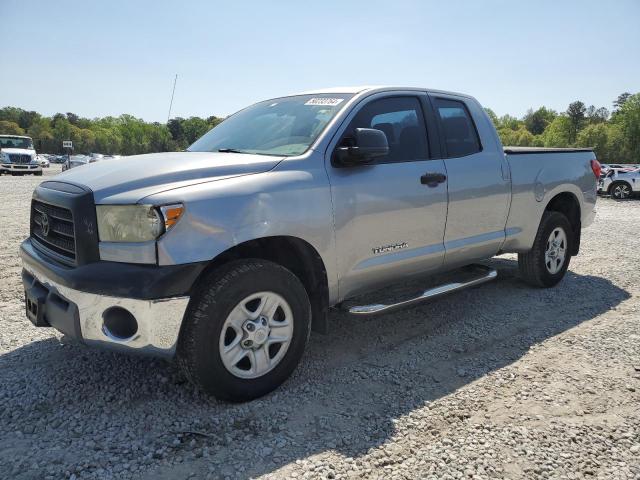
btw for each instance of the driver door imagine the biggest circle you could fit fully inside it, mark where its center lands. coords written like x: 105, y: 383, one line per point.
x: 389, y: 222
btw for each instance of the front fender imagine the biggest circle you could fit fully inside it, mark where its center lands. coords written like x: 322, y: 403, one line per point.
x: 292, y: 200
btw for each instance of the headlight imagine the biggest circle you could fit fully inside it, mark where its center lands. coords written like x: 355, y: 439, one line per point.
x: 135, y: 223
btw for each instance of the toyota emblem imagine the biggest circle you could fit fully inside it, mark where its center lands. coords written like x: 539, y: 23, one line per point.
x: 44, y: 224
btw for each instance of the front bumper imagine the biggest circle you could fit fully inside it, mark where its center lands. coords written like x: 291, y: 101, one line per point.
x: 53, y: 298
x: 22, y: 168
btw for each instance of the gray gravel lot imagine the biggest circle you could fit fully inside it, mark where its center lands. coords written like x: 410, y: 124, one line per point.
x: 502, y: 381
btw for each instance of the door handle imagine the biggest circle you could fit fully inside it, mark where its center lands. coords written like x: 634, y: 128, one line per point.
x: 433, y: 179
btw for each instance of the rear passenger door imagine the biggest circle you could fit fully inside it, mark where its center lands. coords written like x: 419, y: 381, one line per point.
x: 389, y: 223
x: 479, y: 185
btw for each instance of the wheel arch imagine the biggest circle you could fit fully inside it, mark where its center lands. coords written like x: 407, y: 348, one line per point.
x: 293, y: 253
x: 569, y: 205
x: 614, y: 182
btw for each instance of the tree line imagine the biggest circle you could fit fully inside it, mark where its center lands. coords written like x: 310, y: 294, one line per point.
x: 615, y: 135
x: 125, y: 135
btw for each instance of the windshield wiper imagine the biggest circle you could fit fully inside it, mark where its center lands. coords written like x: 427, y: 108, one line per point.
x: 233, y: 150
x: 230, y: 150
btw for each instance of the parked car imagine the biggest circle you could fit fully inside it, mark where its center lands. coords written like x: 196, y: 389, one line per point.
x: 78, y: 160
x: 227, y: 255
x: 18, y: 156
x: 75, y: 161
x: 43, y: 161
x: 620, y: 183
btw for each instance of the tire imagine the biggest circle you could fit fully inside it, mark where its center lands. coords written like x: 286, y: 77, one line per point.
x: 219, y: 297
x: 538, y: 269
x: 620, y: 190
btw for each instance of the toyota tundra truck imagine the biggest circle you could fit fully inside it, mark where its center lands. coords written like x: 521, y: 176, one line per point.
x: 226, y: 256
x: 18, y: 156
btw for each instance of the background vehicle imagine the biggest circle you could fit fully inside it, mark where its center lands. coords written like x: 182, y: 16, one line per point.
x: 43, y: 161
x: 75, y: 161
x: 226, y: 255
x: 620, y: 184
x: 18, y: 156
x: 79, y: 160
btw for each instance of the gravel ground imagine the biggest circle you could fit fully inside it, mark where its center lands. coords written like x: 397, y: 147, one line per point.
x: 501, y: 381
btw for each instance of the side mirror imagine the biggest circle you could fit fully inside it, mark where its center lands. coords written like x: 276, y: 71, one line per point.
x: 369, y: 144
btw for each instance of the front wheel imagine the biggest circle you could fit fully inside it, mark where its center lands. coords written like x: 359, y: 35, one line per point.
x: 548, y: 260
x: 245, y: 330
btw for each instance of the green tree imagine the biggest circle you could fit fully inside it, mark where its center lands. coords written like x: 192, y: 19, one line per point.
x: 596, y: 136
x: 628, y: 118
x: 193, y: 128
x: 41, y: 129
x: 615, y: 145
x: 73, y: 118
x: 537, y: 121
x: 596, y: 115
x: 492, y: 115
x: 517, y: 138
x: 11, y: 114
x: 576, y: 113
x: 10, y: 128
x: 26, y: 119
x: 621, y: 100
x: 508, y: 121
x: 558, y: 133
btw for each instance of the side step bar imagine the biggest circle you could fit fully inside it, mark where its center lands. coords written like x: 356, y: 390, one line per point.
x: 474, y: 275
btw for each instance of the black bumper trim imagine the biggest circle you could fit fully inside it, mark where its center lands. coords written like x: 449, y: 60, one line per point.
x: 140, y: 282
x: 47, y: 308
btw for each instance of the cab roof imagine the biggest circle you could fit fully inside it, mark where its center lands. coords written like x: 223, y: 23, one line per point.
x: 371, y: 88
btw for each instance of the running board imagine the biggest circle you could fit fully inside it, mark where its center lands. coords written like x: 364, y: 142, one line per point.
x: 475, y: 275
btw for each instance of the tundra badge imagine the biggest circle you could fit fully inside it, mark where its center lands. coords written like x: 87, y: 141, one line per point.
x: 389, y: 248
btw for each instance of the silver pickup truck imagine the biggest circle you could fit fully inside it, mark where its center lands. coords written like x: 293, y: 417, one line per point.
x: 226, y: 256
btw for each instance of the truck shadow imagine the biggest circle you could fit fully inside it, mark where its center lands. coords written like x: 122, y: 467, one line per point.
x: 353, y: 385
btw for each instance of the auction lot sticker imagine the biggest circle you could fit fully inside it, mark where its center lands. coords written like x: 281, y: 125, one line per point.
x: 330, y: 102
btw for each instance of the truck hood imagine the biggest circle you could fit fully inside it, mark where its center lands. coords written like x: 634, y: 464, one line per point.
x: 21, y: 151
x: 130, y: 179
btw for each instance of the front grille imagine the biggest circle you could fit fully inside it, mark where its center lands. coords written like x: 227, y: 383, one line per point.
x: 52, y: 227
x: 20, y: 158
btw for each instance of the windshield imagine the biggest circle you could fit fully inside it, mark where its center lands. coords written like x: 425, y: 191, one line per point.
x: 16, y: 142
x: 283, y: 126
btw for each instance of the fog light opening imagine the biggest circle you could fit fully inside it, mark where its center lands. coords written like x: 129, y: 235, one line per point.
x: 119, y: 323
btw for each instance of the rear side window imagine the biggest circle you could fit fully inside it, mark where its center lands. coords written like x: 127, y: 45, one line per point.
x: 460, y: 135
x: 401, y: 120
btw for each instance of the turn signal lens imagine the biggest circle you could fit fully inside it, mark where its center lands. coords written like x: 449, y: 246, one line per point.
x: 597, y: 169
x: 171, y: 214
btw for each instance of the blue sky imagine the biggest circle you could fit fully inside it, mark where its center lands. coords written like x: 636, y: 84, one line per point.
x: 116, y: 56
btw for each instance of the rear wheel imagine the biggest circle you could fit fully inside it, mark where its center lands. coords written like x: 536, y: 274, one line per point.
x: 547, y: 262
x: 620, y: 190
x: 245, y: 330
